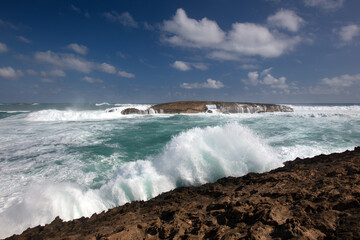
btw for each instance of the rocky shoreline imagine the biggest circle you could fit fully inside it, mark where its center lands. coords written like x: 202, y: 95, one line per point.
x: 312, y: 198
x: 207, y: 107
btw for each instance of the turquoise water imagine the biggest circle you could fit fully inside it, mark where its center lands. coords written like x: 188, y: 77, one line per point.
x: 73, y: 160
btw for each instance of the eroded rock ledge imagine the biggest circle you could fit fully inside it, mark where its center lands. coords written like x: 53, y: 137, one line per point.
x: 208, y: 107
x: 313, y: 198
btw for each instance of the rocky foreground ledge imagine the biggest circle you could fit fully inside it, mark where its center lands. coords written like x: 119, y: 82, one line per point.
x: 313, y: 198
x: 207, y: 107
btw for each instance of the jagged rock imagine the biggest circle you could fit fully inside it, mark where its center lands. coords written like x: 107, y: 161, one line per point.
x: 223, y: 107
x: 134, y: 111
x: 206, y: 106
x: 312, y: 198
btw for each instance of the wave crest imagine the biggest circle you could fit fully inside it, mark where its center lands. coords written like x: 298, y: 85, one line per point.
x: 193, y: 157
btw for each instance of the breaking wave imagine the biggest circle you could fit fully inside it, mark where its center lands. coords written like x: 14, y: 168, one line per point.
x: 193, y: 157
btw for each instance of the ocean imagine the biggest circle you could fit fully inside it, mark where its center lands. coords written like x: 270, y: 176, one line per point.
x: 72, y: 160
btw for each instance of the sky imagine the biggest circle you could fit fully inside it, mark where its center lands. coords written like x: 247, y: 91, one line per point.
x: 272, y: 51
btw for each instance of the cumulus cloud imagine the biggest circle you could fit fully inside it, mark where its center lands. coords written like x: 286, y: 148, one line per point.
x: 105, y: 67
x: 210, y: 83
x: 265, y: 78
x: 243, y: 39
x: 126, y: 74
x: 70, y: 61
x: 78, y: 48
x: 10, y: 73
x: 286, y: 19
x: 253, y: 78
x: 347, y: 33
x: 185, y: 31
x: 275, y: 82
x: 342, y: 81
x: 23, y: 39
x: 3, y: 48
x: 253, y: 39
x: 186, y: 66
x: 124, y: 18
x: 182, y: 66
x: 91, y: 80
x: 325, y: 4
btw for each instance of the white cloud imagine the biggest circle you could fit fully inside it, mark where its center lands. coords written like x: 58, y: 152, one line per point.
x: 266, y: 79
x: 243, y: 39
x: 347, y: 33
x: 51, y: 73
x: 78, y: 48
x: 342, y: 81
x: 222, y: 55
x: 126, y: 74
x: 10, y: 73
x: 210, y: 83
x: 56, y: 73
x: 252, y: 78
x: 286, y: 19
x: 105, y: 67
x: 325, y: 4
x: 148, y: 26
x: 124, y: 18
x: 266, y: 71
x: 253, y: 39
x: 23, y: 39
x: 3, y: 48
x: 79, y: 11
x: 185, y: 31
x: 182, y: 66
x: 91, y: 80
x: 275, y: 82
x: 249, y: 66
x: 186, y: 66
x: 200, y: 66
x: 70, y: 61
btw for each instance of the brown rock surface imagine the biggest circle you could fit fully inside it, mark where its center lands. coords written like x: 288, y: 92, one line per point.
x: 313, y: 198
x: 134, y: 111
x: 225, y: 107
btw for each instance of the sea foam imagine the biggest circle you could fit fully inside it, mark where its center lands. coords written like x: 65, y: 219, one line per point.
x: 193, y: 157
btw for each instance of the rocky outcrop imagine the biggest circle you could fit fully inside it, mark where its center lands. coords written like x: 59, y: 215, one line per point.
x: 313, y: 198
x: 223, y: 107
x: 134, y: 111
x: 213, y: 106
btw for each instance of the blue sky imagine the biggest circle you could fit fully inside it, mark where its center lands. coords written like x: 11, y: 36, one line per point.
x: 279, y: 51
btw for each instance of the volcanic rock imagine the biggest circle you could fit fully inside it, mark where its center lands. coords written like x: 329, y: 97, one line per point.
x: 134, y: 111
x: 223, y: 107
x: 312, y: 198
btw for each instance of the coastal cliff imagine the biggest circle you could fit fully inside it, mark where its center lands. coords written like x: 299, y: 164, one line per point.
x: 312, y: 198
x: 207, y: 107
